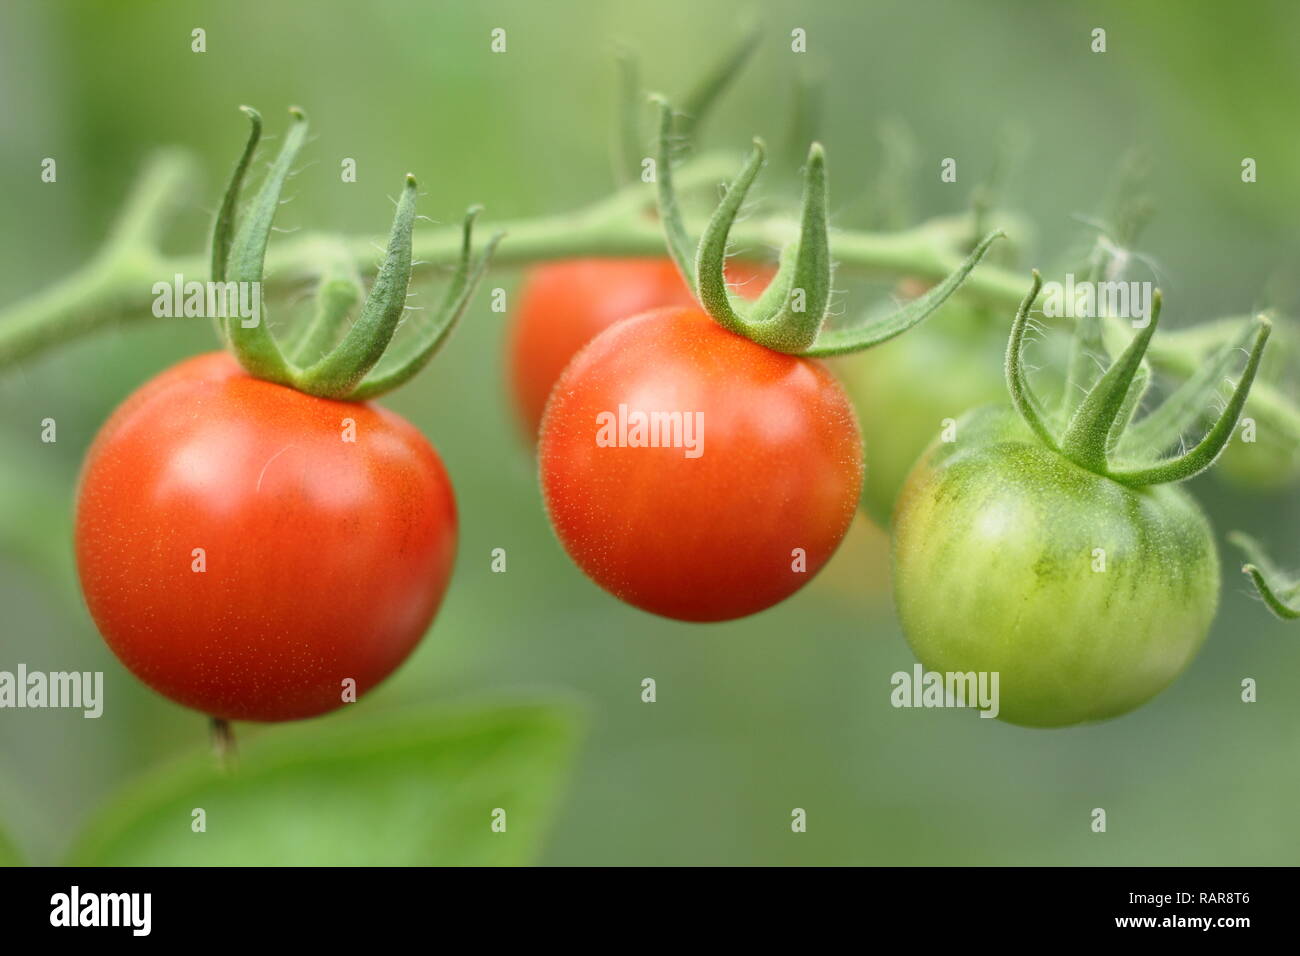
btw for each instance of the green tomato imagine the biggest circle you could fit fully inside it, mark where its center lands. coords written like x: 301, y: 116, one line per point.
x: 1086, y: 596
x: 902, y: 404
x: 1267, y: 464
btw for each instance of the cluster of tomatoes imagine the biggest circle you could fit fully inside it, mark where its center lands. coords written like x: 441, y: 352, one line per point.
x: 260, y: 548
x: 253, y: 552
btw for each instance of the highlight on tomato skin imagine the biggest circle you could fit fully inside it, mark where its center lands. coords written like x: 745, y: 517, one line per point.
x: 565, y: 304
x: 731, y: 519
x: 245, y: 549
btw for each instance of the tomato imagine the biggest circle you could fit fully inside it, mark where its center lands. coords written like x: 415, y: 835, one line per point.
x: 566, y: 304
x: 1266, y: 466
x: 1087, y: 596
x: 322, y: 559
x: 703, y: 530
x: 902, y: 404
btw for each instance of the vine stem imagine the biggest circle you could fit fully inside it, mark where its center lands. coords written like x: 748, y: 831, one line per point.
x: 115, y: 287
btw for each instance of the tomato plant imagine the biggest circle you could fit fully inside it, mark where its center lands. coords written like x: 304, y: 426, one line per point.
x: 699, y: 462
x: 1057, y: 553
x: 244, y: 556
x: 566, y: 304
x: 254, y: 540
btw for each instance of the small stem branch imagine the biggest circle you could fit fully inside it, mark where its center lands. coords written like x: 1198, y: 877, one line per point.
x: 101, y: 294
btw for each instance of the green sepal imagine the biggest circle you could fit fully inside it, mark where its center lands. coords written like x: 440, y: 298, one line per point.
x: 711, y: 261
x: 670, y: 213
x: 339, y: 372
x: 254, y: 345
x: 1281, y: 593
x: 1165, y: 424
x: 223, y: 229
x: 1107, y: 260
x: 1133, y: 397
x: 1205, y: 453
x: 788, y: 316
x: 1088, y: 435
x: 1022, y: 393
x: 344, y: 371
x: 392, y: 373
x: 792, y: 323
x: 879, y: 329
x: 338, y: 292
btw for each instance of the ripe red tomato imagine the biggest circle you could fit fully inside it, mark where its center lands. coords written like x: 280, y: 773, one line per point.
x: 704, y: 536
x: 564, y: 305
x: 325, y: 559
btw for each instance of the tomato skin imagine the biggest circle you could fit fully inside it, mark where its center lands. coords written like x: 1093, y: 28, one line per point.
x: 994, y: 539
x: 708, y: 538
x: 566, y: 304
x: 325, y: 559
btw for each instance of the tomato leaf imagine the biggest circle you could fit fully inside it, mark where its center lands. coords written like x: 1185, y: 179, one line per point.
x: 416, y: 788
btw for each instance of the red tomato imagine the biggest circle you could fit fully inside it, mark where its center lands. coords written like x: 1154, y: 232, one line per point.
x: 564, y: 305
x: 325, y: 559
x: 708, y: 536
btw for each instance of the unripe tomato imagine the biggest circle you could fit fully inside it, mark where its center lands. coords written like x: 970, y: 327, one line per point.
x: 1086, y: 596
x: 242, y: 556
x: 566, y: 304
x: 902, y: 404
x: 711, y: 536
x: 1265, y: 465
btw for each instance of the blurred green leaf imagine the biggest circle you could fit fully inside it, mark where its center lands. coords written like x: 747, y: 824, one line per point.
x: 415, y: 788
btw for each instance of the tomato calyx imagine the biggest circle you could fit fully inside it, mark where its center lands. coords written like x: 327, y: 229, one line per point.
x: 1280, y: 591
x: 1094, y: 432
x: 790, y: 314
x: 349, y: 368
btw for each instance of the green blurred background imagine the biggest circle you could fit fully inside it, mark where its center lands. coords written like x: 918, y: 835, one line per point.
x: 787, y: 709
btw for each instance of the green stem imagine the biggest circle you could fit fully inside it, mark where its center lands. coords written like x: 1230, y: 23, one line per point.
x: 115, y: 288
x: 117, y: 283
